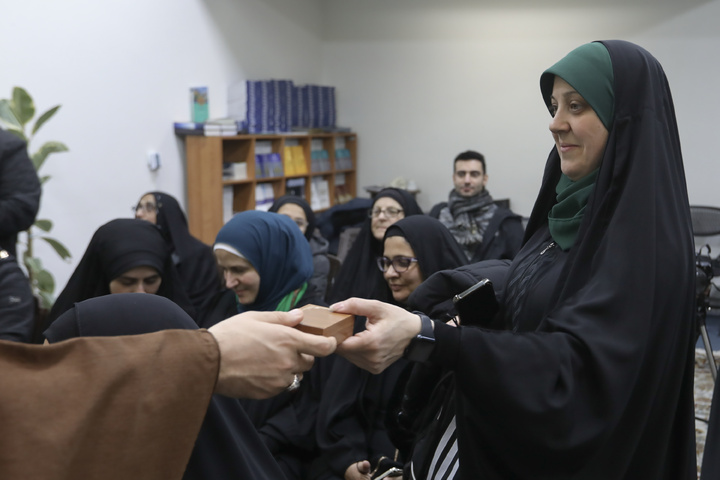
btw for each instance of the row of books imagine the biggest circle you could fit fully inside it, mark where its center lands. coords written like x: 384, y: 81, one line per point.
x: 273, y: 106
x: 265, y: 195
x: 343, y: 160
x: 294, y: 160
x: 319, y: 161
x: 268, y: 165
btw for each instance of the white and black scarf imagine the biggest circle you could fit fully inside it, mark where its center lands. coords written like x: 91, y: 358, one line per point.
x: 467, y: 218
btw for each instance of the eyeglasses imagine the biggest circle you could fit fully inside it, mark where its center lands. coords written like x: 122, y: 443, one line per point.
x: 148, y: 207
x: 389, y: 212
x: 399, y: 263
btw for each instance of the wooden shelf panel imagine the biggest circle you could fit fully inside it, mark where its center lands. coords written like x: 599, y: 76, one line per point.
x: 206, y: 185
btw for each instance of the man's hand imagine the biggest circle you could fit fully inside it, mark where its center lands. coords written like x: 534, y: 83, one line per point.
x: 260, y: 353
x: 358, y: 471
x: 388, y: 332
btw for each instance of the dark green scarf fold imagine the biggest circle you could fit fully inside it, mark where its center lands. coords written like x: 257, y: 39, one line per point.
x: 565, y: 217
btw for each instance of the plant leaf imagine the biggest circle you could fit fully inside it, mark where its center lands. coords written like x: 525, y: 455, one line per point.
x: 38, y: 158
x: 45, y: 281
x: 44, y: 118
x: 44, y: 179
x: 44, y: 225
x: 33, y: 264
x: 7, y: 116
x: 22, y: 105
x: 59, y: 248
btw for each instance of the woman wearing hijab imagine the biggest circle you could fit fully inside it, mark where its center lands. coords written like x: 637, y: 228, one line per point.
x: 193, y: 259
x: 595, y: 380
x: 351, y: 430
x: 300, y: 212
x: 359, y: 276
x: 124, y: 255
x: 267, y: 264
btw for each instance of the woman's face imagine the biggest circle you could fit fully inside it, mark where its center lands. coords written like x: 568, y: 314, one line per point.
x: 296, y: 214
x: 146, y: 209
x: 382, y: 217
x: 137, y: 280
x: 579, y: 134
x: 240, y: 276
x: 402, y: 284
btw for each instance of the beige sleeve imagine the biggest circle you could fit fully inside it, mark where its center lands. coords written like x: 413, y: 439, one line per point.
x: 105, y: 407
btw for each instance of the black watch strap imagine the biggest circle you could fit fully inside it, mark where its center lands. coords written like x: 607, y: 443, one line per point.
x: 421, y: 347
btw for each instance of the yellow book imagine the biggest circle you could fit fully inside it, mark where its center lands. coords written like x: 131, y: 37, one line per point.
x: 288, y: 162
x: 298, y: 159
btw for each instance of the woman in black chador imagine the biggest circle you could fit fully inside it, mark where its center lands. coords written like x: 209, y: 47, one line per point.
x: 193, y: 259
x: 593, y: 376
x: 351, y: 427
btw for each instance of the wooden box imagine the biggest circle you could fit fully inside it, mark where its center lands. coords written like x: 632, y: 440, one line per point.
x: 321, y: 321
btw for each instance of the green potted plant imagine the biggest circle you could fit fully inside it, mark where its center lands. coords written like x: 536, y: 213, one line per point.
x: 16, y: 114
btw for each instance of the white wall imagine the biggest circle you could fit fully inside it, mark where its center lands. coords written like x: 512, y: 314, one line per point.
x: 122, y: 70
x: 421, y: 81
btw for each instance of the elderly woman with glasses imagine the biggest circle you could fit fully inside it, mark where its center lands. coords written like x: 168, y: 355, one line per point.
x: 359, y: 275
x: 351, y: 429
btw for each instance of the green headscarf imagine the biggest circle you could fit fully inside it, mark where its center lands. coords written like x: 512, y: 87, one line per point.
x: 588, y: 69
x: 566, y: 215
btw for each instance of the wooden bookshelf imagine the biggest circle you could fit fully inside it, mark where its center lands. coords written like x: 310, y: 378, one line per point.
x: 206, y: 156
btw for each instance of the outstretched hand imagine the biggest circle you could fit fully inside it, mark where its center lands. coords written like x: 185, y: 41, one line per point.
x: 260, y: 353
x: 388, y: 332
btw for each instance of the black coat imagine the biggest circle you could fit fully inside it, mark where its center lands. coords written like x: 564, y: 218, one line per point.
x: 502, y: 238
x: 19, y: 190
x: 17, y: 305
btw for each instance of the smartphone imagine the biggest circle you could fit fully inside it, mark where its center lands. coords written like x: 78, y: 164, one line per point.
x: 390, y: 473
x: 477, y: 305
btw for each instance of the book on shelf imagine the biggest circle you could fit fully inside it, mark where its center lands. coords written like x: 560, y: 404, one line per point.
x: 235, y: 171
x: 295, y: 186
x: 288, y: 162
x: 199, y: 107
x: 273, y: 164
x: 221, y: 127
x: 189, y: 128
x: 206, y: 128
x: 319, y: 193
x: 298, y: 159
x: 228, y: 210
x: 260, y: 169
x: 264, y: 196
x: 319, y: 161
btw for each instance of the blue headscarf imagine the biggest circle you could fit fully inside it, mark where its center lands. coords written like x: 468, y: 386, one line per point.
x: 275, y: 247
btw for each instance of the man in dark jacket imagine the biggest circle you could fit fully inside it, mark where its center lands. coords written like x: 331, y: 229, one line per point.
x: 19, y: 190
x: 17, y: 305
x: 483, y: 229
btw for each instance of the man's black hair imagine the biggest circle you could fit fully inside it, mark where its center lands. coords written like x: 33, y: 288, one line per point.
x: 471, y: 155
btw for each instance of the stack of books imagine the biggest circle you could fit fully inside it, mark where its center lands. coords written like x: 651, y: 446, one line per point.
x: 218, y: 127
